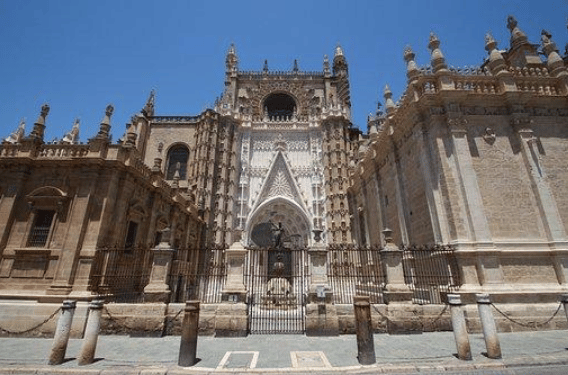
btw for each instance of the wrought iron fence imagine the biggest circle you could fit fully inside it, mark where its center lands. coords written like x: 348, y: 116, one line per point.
x: 277, y: 284
x: 120, y: 275
x: 198, y: 274
x: 431, y: 272
x: 355, y: 271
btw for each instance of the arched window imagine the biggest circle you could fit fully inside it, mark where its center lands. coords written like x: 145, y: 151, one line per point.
x: 279, y: 105
x: 177, y: 154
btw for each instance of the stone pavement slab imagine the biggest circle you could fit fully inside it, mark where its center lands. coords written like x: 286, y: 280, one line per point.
x: 428, y: 352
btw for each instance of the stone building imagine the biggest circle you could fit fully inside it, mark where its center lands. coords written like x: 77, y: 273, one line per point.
x: 475, y: 158
x: 272, y: 205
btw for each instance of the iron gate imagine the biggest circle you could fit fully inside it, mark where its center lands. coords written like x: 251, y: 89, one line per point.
x: 277, y: 285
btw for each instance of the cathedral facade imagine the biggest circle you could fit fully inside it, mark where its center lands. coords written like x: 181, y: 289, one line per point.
x: 472, y: 158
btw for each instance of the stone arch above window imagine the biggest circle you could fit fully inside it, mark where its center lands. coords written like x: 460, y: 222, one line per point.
x: 177, y: 154
x: 279, y: 105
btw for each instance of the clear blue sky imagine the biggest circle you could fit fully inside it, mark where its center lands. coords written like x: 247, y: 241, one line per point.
x: 81, y: 55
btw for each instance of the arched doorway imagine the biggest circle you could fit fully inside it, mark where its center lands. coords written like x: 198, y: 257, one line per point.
x: 278, y: 235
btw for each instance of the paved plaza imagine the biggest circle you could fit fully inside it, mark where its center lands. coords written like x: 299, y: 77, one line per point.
x: 427, y: 352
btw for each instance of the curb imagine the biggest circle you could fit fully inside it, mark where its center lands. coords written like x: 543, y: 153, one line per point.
x: 371, y: 369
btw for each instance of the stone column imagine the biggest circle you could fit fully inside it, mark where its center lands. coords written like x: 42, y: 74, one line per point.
x: 488, y: 326
x: 396, y: 289
x: 89, y: 347
x: 459, y: 327
x: 231, y: 319
x: 321, y: 314
x: 62, y: 332
x: 158, y: 289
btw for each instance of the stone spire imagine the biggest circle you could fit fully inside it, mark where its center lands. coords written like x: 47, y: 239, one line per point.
x: 340, y: 67
x: 412, y: 71
x: 231, y: 61
x: 130, y: 139
x: 104, y: 127
x: 326, y: 69
x: 18, y: 135
x: 39, y: 126
x: 518, y: 37
x: 148, y: 109
x: 437, y: 59
x: 265, y: 67
x: 496, y: 60
x: 555, y: 63
x: 389, y: 103
x: 295, y: 68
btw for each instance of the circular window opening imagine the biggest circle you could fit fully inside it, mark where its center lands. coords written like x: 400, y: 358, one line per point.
x: 279, y: 105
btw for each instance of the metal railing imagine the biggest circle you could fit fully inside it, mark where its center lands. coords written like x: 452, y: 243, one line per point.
x: 120, y: 275
x: 431, y: 272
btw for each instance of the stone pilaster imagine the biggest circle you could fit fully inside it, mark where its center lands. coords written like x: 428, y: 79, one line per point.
x: 321, y: 314
x: 158, y: 289
x: 396, y: 290
x: 231, y: 317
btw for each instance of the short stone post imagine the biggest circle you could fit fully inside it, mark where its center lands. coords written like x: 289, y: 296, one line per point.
x: 564, y: 301
x: 364, y: 329
x: 488, y: 326
x: 87, y: 355
x: 190, y: 325
x: 62, y: 332
x: 459, y: 327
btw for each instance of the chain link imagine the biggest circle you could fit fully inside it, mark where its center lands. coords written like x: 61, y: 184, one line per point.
x: 34, y: 327
x: 535, y: 324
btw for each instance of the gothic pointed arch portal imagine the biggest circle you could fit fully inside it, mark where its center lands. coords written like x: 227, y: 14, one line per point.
x: 287, y: 213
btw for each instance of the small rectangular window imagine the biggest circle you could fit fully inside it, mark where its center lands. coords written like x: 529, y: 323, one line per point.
x: 41, y: 228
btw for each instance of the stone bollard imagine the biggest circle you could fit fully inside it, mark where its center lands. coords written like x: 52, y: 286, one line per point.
x: 364, y: 329
x: 190, y: 325
x: 459, y: 327
x: 564, y: 301
x: 62, y: 332
x: 488, y: 326
x: 87, y: 355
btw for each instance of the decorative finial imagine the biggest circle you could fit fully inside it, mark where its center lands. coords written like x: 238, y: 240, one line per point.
x: 496, y: 63
x: 554, y: 62
x: 326, y: 69
x: 131, y: 136
x: 338, y: 50
x: 232, y: 50
x: 437, y: 59
x: 109, y: 110
x: 39, y: 125
x: 517, y: 36
x: 265, y: 68
x: 148, y: 109
x: 389, y: 103
x: 408, y: 53
x: 44, y: 110
x: 295, y: 69
x: 411, y: 68
x: 511, y: 22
